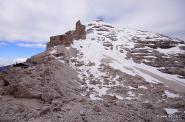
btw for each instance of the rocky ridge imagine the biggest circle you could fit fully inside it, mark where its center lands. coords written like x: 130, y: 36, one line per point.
x: 98, y: 73
x: 68, y: 37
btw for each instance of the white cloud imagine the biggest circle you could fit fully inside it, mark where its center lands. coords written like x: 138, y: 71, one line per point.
x: 32, y: 45
x: 4, y: 62
x: 19, y: 60
x: 36, y: 20
x: 162, y: 16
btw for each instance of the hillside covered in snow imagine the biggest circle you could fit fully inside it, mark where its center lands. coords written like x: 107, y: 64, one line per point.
x: 98, y: 73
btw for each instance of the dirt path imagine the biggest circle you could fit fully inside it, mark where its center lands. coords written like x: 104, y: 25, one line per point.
x: 175, y: 85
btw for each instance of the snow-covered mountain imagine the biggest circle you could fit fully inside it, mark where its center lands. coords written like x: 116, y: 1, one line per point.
x: 106, y: 50
x: 131, y: 52
x: 102, y: 72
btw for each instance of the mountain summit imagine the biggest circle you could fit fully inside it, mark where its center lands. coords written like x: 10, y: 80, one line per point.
x: 98, y: 73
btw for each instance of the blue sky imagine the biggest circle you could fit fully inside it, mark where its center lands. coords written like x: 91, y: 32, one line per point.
x: 26, y: 25
x: 13, y: 51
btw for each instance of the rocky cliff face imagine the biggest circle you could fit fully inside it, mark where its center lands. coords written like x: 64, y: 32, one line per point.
x: 68, y: 37
x: 112, y: 74
x: 165, y: 53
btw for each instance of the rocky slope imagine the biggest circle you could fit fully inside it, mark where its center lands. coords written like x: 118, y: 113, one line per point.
x: 98, y: 73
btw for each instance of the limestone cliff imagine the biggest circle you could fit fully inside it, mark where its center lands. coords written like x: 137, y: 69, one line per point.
x: 68, y: 37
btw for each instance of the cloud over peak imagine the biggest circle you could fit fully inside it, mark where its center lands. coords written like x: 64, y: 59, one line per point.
x: 35, y: 21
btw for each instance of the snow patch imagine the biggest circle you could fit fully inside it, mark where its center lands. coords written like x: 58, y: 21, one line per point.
x: 171, y: 95
x: 142, y: 87
x: 19, y: 60
x: 131, y: 94
x: 173, y: 50
x: 170, y: 111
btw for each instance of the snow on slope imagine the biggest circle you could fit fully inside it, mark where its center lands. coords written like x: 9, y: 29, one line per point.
x: 108, y: 45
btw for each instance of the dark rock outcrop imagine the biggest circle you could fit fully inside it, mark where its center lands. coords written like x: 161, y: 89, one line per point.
x: 68, y: 37
x: 79, y: 33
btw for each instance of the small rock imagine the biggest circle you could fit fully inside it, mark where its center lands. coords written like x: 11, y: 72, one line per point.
x: 84, y: 119
x: 1, y: 97
x: 107, y: 104
x: 82, y: 113
x: 148, y: 106
x: 83, y: 100
x: 45, y: 110
x: 97, y: 108
x: 56, y: 109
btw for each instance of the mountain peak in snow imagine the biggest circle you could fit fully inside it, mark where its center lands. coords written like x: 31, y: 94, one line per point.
x: 154, y: 57
x: 97, y: 68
